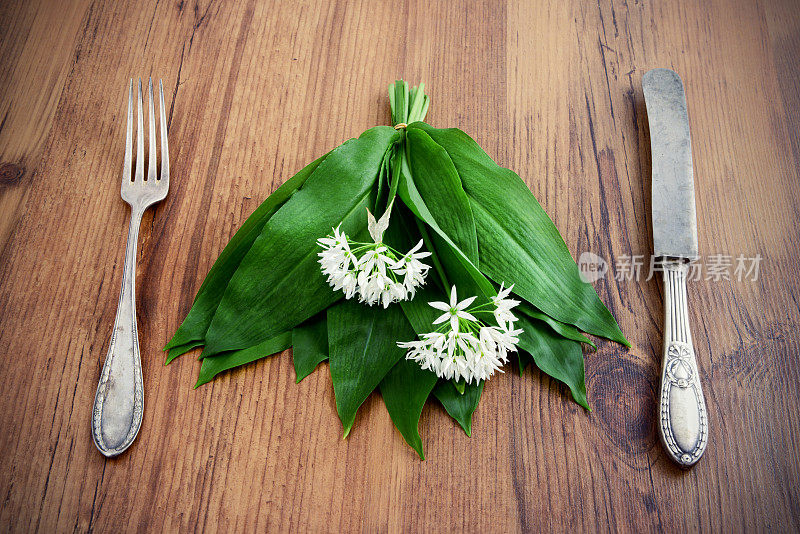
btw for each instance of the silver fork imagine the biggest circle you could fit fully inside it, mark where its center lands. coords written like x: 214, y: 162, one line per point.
x: 119, y: 401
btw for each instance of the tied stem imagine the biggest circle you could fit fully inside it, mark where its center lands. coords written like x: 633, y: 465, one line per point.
x: 407, y: 104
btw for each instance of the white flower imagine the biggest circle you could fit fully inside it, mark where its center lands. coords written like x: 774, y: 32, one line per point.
x: 375, y: 260
x: 337, y: 260
x: 503, y: 305
x: 376, y: 289
x: 374, y: 284
x: 454, y: 310
x: 464, y: 347
x: 411, y: 269
x: 338, y: 240
x: 347, y: 283
x: 381, y: 275
x: 499, y: 340
x: 398, y: 290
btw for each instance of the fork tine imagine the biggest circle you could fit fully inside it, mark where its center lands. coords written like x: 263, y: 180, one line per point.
x: 139, y: 177
x: 164, y: 144
x: 126, y: 169
x: 151, y: 139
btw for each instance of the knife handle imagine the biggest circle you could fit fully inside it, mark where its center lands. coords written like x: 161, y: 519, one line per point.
x: 684, y: 420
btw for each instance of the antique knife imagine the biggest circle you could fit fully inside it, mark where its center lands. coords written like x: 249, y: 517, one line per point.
x: 683, y: 417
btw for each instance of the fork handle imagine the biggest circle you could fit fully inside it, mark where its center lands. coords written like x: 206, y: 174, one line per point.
x: 119, y: 401
x: 683, y: 416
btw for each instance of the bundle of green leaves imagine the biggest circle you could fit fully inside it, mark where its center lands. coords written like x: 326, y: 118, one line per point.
x: 482, y: 227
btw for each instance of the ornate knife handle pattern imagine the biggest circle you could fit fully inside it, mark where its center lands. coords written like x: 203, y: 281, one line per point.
x: 684, y: 420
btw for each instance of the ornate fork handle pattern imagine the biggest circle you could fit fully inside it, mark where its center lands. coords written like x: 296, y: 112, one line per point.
x: 684, y: 420
x: 115, y: 419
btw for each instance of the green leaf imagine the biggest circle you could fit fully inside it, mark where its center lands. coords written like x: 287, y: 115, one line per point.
x: 404, y: 390
x: 214, y: 365
x: 279, y: 284
x: 362, y: 349
x: 174, y: 352
x: 402, y: 234
x: 565, y: 330
x: 417, y: 311
x: 440, y: 187
x: 456, y: 259
x: 192, y: 331
x: 461, y: 272
x: 460, y: 406
x: 523, y: 359
x: 519, y: 243
x: 310, y: 345
x: 419, y: 104
x: 558, y: 357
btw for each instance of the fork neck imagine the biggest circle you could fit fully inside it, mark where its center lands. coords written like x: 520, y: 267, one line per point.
x: 131, y: 247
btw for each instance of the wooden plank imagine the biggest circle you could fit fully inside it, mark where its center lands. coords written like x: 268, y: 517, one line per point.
x: 255, y: 90
x: 36, y: 52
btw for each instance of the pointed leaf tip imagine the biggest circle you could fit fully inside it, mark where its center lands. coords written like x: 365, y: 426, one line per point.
x: 362, y: 350
x: 309, y: 346
x: 460, y: 407
x: 405, y: 389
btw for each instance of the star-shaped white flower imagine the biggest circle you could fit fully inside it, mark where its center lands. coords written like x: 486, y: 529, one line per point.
x: 504, y: 305
x: 454, y: 310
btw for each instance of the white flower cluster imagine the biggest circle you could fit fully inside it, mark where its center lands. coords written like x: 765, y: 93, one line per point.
x: 374, y: 271
x: 465, y: 347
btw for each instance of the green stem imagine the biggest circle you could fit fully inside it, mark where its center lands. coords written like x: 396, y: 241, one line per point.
x: 437, y: 265
x: 406, y: 105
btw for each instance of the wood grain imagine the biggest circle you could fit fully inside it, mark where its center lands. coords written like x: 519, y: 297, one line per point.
x: 257, y: 89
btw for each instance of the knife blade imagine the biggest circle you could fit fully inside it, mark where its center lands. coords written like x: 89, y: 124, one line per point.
x: 683, y: 419
x: 674, y: 219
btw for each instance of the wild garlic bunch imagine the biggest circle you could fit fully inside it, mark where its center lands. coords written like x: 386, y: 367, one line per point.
x: 291, y: 274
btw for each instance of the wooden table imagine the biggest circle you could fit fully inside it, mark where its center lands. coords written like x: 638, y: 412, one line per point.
x: 257, y: 89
